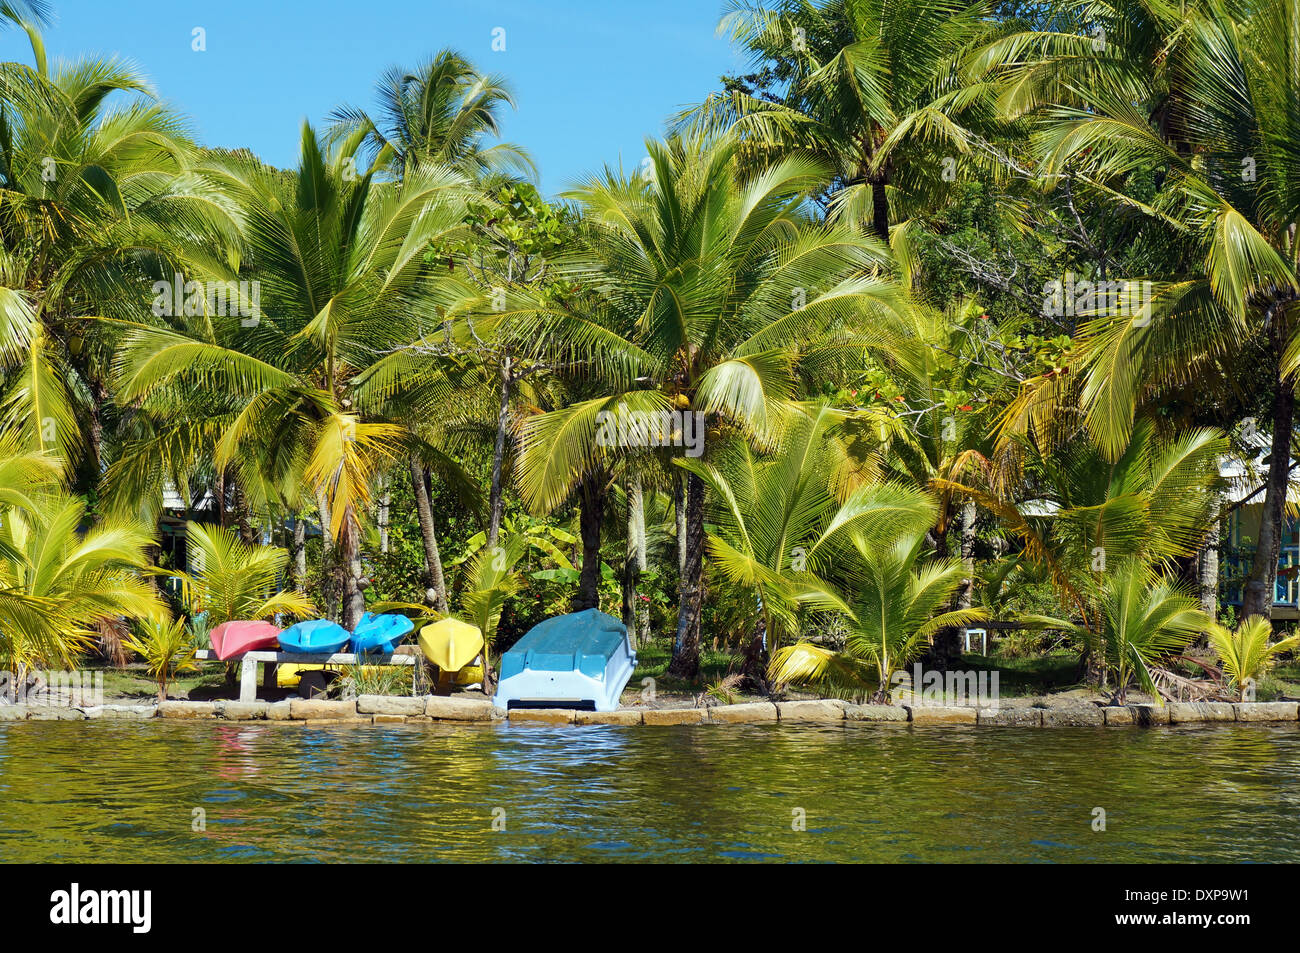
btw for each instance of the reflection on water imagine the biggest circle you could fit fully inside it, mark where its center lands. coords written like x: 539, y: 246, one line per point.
x: 127, y: 792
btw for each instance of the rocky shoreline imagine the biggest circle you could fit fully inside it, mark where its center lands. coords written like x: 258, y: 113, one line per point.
x: 389, y: 709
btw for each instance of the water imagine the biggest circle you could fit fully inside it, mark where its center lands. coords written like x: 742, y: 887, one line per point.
x: 127, y: 792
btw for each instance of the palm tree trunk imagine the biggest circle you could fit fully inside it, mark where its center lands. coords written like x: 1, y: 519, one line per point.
x: 945, y: 648
x: 966, y: 595
x: 1257, y: 598
x: 754, y: 665
x: 690, y: 610
x: 634, y: 561
x: 354, y: 600
x: 243, y: 517
x: 435, y: 584
x: 219, y: 497
x: 679, y: 508
x: 299, y: 550
x: 328, y: 559
x: 101, y: 399
x: 1207, y: 571
x: 591, y: 494
x: 381, y: 518
x: 498, y: 455
x: 879, y: 209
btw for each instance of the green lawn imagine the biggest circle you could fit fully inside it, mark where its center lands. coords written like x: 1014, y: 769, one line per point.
x: 135, y: 684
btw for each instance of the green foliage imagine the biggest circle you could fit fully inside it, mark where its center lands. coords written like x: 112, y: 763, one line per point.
x: 232, y: 580
x: 58, y: 578
x: 1141, y: 622
x: 165, y: 648
x: 839, y: 261
x: 896, y: 606
x: 1246, y: 654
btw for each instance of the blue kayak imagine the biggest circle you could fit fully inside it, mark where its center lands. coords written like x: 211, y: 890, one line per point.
x: 315, y: 636
x: 380, y: 633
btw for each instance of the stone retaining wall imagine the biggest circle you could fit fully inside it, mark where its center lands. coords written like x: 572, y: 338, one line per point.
x: 385, y: 709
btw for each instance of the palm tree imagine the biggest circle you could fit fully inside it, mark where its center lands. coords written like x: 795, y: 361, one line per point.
x: 441, y: 113
x: 1212, y: 123
x: 166, y: 650
x: 896, y: 607
x: 231, y: 580
x: 1087, y: 515
x: 345, y: 279
x: 57, y: 582
x: 702, y: 291
x: 872, y: 88
x: 770, y: 512
x: 1140, y: 622
x: 95, y: 203
x: 1246, y: 653
x: 491, y: 580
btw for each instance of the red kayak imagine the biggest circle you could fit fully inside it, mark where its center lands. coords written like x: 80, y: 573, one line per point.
x: 232, y: 639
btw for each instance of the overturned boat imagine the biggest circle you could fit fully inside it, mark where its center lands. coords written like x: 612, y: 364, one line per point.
x: 581, y: 660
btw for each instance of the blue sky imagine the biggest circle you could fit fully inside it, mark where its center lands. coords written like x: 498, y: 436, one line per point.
x: 592, y: 79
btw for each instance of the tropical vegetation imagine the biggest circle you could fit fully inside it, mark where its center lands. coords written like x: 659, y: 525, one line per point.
x: 943, y: 316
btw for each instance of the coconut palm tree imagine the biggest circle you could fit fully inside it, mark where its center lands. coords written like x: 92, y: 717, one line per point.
x: 441, y: 113
x: 96, y: 202
x: 875, y: 89
x: 491, y: 579
x: 897, y: 605
x: 1246, y: 653
x: 165, y: 648
x: 58, y: 581
x: 1077, y: 516
x: 345, y: 279
x: 1141, y: 621
x: 769, y: 513
x: 231, y: 580
x: 1210, y: 120
x: 701, y: 293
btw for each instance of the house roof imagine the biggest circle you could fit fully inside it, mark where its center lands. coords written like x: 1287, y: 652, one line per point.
x: 1245, y: 478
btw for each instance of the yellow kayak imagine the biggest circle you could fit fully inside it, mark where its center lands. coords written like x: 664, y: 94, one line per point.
x: 287, y: 675
x: 451, y: 644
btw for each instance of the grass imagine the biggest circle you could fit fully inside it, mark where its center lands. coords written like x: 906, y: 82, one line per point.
x: 1041, y: 675
x: 1031, y: 675
x: 1282, y: 681
x: 133, y: 682
x: 652, y: 661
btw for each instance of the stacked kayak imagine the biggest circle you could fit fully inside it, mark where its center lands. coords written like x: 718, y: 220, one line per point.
x: 232, y: 639
x: 380, y: 633
x: 580, y: 660
x: 451, y: 644
x: 315, y: 637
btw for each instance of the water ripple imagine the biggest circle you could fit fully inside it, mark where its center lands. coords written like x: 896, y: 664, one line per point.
x: 763, y: 793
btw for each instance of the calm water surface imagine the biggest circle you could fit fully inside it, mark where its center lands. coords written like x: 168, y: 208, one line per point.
x: 126, y: 792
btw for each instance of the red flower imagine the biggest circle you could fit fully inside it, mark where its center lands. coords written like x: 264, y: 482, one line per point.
x: 964, y: 407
